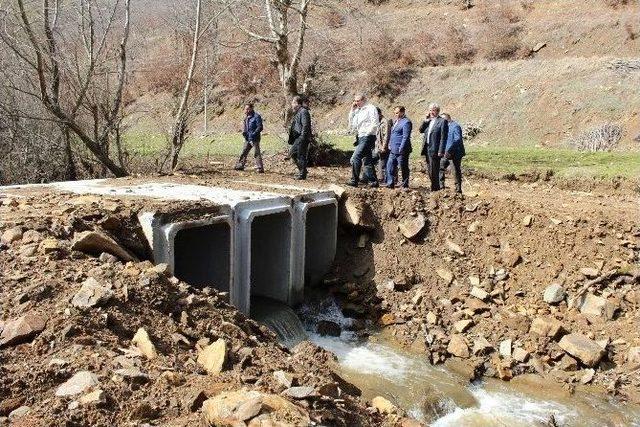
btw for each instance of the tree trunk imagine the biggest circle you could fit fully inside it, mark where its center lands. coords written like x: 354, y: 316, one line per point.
x: 71, y: 173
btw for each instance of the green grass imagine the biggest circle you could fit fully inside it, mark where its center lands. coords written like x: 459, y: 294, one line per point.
x: 494, y: 160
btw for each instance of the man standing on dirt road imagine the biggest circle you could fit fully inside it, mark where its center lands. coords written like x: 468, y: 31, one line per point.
x: 251, y: 131
x: 300, y: 135
x: 453, y: 153
x: 435, y: 131
x: 381, y: 152
x: 399, y: 148
x: 364, y: 121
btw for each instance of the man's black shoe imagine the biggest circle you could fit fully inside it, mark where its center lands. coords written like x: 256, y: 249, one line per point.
x: 389, y: 186
x: 352, y: 184
x: 373, y: 185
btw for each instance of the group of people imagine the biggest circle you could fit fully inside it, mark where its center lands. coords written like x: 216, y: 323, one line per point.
x: 382, y: 145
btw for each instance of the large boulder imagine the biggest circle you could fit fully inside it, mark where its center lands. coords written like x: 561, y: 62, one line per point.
x: 22, y: 329
x: 79, y: 383
x: 411, y: 227
x: 458, y: 346
x: 586, y: 350
x: 95, y: 243
x: 357, y: 213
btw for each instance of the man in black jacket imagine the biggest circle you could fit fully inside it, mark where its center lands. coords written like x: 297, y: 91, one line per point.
x: 435, y: 130
x: 300, y: 135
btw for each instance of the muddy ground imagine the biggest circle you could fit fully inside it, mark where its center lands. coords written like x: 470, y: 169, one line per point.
x: 459, y: 289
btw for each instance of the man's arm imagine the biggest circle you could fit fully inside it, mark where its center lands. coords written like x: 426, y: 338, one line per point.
x: 387, y: 138
x: 456, y: 137
x: 406, y: 135
x: 305, y: 124
x: 254, y: 135
x: 424, y: 126
x: 444, y: 133
x: 351, y: 119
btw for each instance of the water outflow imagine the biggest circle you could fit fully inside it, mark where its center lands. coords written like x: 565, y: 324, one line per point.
x: 440, y: 398
x: 280, y: 318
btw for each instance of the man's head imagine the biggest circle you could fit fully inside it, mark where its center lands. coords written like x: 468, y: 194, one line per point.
x: 434, y: 110
x: 399, y: 111
x: 446, y: 116
x: 248, y: 108
x: 359, y: 100
x: 296, y: 102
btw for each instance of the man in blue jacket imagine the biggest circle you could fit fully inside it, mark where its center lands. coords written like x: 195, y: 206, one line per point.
x: 453, y: 152
x: 251, y: 131
x: 399, y: 147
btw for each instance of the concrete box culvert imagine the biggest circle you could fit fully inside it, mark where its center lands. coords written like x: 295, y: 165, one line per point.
x: 264, y: 236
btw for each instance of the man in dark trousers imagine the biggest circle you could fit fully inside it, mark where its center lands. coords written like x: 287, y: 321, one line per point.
x: 399, y: 148
x: 251, y: 131
x: 453, y: 153
x: 300, y: 135
x: 435, y: 130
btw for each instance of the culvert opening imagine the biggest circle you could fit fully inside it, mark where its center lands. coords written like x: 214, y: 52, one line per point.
x: 320, y: 242
x: 203, y: 255
x: 271, y: 256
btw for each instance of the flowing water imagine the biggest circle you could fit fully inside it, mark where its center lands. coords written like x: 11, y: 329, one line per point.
x: 435, y: 395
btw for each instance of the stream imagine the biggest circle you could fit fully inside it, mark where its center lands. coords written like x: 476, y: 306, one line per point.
x: 432, y: 394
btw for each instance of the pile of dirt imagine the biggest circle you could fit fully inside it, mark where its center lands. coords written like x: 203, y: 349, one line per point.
x: 90, y: 339
x: 534, y: 281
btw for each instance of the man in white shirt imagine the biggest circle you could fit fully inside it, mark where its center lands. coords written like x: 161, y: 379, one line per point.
x: 363, y: 120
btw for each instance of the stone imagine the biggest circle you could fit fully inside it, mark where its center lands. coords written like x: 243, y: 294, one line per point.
x: 228, y: 408
x: 31, y: 236
x: 19, y: 412
x: 95, y: 242
x: 132, y: 374
x: 633, y: 358
x: 479, y: 293
x: 527, y: 221
x: 383, y: 405
x: 213, y: 356
x: 11, y: 235
x: 584, y: 349
x: 457, y: 346
x: 107, y: 258
x: 194, y: 400
x: 327, y: 327
x: 589, y: 272
x: 79, y: 383
x: 587, y: 376
x: 465, y: 368
x: 504, y: 372
x: 446, y: 275
x: 48, y: 246
x: 91, y: 294
x: 432, y: 318
x: 567, y: 363
x: 510, y: 256
x: 519, y: 354
x: 554, y: 293
x: 300, y: 392
x: 481, y: 347
x: 143, y: 342
x: 389, y: 319
x: 283, y: 378
x: 357, y: 213
x: 505, y: 348
x: 474, y: 280
x: 22, y: 329
x: 597, y: 306
x: 10, y: 404
x: 473, y: 227
x: 546, y: 327
x: 462, y: 325
x: 411, y: 227
x: 454, y: 247
x: 538, y: 46
x: 96, y: 397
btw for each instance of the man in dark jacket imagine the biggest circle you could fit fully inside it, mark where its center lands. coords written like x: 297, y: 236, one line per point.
x: 435, y: 130
x: 251, y: 131
x: 300, y: 135
x: 399, y: 148
x: 453, y: 153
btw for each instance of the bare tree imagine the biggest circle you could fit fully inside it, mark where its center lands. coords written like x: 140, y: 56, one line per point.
x: 71, y: 67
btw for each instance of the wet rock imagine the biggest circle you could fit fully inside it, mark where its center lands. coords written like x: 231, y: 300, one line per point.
x: 457, y: 346
x: 79, y: 383
x: 91, y: 294
x: 462, y: 325
x: 546, y: 327
x: 454, y: 247
x: 143, y: 342
x: 383, y: 405
x: 22, y: 329
x: 505, y: 348
x: 362, y: 241
x: 504, y: 372
x: 465, y: 368
x: 481, y: 347
x: 11, y: 235
x: 554, y: 294
x: 583, y: 348
x: 213, y: 356
x: 353, y: 310
x: 479, y: 293
x: 411, y: 227
x: 589, y: 272
x: 94, y: 243
x: 97, y: 397
x: 300, y: 392
x: 633, y: 358
x: 597, y: 306
x: 446, y: 275
x: 327, y: 327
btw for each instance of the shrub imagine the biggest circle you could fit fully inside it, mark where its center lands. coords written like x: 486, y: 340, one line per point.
x: 451, y: 47
x: 500, y: 34
x: 601, y: 138
x: 617, y: 3
x: 388, y: 66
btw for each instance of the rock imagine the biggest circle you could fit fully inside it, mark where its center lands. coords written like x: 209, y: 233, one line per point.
x: 107, y: 258
x: 97, y: 397
x: 327, y: 327
x: 567, y: 363
x: 19, y: 412
x: 78, y: 383
x: 583, y: 348
x: 194, y: 400
x: 510, y: 256
x: 132, y: 374
x: 91, y: 294
x: 527, y: 221
x: 457, y: 346
x: 597, y: 306
x: 232, y: 407
x: 504, y: 372
x: 283, y: 378
x: 446, y: 275
x: 300, y: 392
x: 357, y: 213
x: 467, y: 369
x: 31, y: 236
x: 454, y: 247
x: 633, y: 358
x: 589, y: 272
x: 481, y: 347
x: 213, y: 356
x: 474, y: 280
x: 538, y: 46
x: 389, y: 319
x: 22, y: 329
x: 411, y: 227
x: 48, y: 246
x: 337, y: 190
x: 587, y: 376
x: 505, y: 348
x: 479, y: 293
x: 520, y: 354
x: 432, y: 318
x: 95, y: 242
x: 353, y: 310
x: 10, y: 404
x: 554, y: 293
x: 383, y: 405
x: 143, y: 342
x: 473, y: 227
x: 462, y: 325
x: 546, y: 327
x: 11, y: 235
